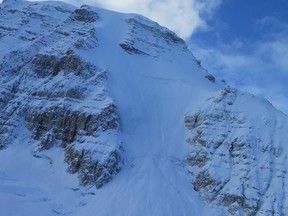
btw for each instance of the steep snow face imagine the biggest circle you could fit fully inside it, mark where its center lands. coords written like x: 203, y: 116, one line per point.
x: 107, y: 94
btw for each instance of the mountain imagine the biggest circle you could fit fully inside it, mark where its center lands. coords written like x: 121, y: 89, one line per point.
x: 104, y: 113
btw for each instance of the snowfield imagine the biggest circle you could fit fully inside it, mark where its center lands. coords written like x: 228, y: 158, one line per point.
x: 106, y: 114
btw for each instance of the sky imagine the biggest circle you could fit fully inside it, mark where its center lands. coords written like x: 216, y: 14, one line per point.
x: 246, y: 44
x: 243, y: 42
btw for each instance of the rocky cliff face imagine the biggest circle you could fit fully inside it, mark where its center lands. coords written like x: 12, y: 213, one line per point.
x: 148, y: 38
x: 92, y: 83
x: 59, y: 97
x: 236, y: 161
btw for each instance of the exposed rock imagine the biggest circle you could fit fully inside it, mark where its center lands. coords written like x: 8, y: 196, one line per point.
x: 46, y: 65
x: 131, y: 50
x: 140, y: 28
x: 47, y: 142
x: 66, y: 124
x: 198, y: 158
x: 91, y: 171
x: 75, y: 129
x: 83, y: 14
x: 210, y: 77
x: 59, y: 97
x: 222, y: 162
x: 191, y: 121
x: 203, y: 180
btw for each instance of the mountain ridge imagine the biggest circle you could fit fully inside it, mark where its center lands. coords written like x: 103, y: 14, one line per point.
x: 131, y: 111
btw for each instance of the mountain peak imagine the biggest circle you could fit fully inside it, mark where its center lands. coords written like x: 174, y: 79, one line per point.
x: 112, y: 113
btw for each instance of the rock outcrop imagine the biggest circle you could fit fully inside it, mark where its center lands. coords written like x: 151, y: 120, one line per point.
x: 68, y: 75
x: 232, y: 163
x: 149, y: 38
x: 59, y: 97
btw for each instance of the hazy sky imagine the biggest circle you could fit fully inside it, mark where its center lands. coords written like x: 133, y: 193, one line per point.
x: 242, y: 41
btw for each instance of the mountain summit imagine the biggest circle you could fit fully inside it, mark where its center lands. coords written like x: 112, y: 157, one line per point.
x: 104, y: 113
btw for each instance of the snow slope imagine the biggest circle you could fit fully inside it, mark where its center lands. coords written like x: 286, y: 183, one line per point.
x: 158, y: 88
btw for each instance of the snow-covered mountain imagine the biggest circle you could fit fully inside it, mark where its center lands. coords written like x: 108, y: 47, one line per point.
x: 105, y: 114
